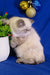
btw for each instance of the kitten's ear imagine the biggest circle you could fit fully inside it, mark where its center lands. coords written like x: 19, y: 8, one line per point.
x: 32, y: 21
x: 5, y: 21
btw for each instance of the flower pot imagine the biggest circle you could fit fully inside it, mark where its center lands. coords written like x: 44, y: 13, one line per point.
x: 4, y: 48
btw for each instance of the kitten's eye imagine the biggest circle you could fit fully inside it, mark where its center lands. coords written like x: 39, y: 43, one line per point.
x: 20, y: 23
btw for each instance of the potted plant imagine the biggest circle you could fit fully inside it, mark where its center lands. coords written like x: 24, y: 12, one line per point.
x: 5, y: 36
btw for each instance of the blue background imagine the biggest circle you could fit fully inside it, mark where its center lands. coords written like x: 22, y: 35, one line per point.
x: 42, y: 26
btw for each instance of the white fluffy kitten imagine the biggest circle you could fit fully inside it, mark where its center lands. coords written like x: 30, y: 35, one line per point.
x: 25, y: 41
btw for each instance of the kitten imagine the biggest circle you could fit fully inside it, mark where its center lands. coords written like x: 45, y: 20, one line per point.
x: 25, y: 41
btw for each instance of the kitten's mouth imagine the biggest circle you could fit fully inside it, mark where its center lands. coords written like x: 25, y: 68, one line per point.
x: 26, y: 30
x: 22, y: 33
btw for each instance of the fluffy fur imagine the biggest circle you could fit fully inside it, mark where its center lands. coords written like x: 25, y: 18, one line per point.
x: 26, y: 42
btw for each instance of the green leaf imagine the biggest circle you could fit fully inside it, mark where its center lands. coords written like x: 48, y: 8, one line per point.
x: 1, y: 22
x: 4, y: 29
x: 0, y: 17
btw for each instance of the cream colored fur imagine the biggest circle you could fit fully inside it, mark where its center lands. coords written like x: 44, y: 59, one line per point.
x: 29, y: 49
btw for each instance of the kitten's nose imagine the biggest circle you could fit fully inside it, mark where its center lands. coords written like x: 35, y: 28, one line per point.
x: 28, y: 29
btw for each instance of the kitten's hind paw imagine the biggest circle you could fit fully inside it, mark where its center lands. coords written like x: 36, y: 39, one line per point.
x: 19, y: 61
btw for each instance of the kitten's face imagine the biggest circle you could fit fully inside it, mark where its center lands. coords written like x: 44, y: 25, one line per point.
x: 21, y: 26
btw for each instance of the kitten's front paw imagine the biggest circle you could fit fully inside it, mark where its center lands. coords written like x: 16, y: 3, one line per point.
x: 13, y: 45
x: 5, y: 21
